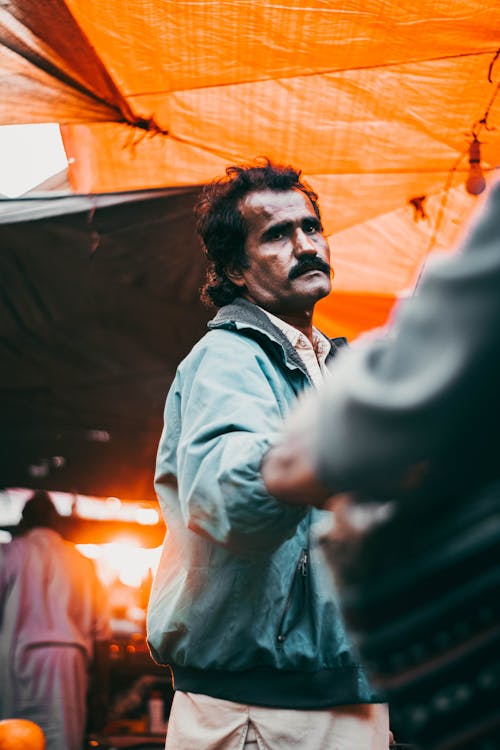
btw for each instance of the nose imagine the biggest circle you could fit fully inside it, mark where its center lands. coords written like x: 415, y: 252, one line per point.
x: 303, y: 244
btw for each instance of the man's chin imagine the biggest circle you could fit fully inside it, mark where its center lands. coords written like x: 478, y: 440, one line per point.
x: 322, y: 294
x: 319, y: 286
x: 311, y: 295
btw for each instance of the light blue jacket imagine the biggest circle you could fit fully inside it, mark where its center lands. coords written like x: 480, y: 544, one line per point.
x: 242, y: 607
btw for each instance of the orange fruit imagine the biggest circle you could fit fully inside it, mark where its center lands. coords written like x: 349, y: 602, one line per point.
x: 21, y: 734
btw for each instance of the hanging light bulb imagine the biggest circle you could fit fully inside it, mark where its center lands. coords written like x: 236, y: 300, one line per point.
x: 475, y: 182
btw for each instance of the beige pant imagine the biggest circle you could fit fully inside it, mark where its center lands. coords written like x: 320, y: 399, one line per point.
x: 199, y: 722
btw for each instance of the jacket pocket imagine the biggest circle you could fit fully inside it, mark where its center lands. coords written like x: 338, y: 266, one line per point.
x: 296, y: 597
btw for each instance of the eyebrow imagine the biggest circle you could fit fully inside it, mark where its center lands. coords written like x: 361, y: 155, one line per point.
x: 285, y: 226
x: 281, y: 226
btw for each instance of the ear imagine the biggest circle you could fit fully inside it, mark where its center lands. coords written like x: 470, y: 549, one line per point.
x: 235, y: 275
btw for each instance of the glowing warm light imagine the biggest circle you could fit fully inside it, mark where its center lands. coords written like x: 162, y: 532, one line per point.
x: 147, y: 516
x: 123, y: 560
x: 115, y: 509
x: 127, y: 559
x: 91, y: 551
x: 99, y: 510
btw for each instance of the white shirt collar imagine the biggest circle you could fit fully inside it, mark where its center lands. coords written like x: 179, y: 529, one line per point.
x: 321, y: 345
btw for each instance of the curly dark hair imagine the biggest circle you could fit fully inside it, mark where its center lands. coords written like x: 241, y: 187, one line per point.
x: 221, y: 227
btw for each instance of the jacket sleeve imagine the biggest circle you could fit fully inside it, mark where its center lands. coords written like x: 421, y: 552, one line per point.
x: 228, y: 403
x: 394, y: 403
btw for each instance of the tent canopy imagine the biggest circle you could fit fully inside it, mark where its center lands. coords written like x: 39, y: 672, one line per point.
x: 91, y: 330
x: 377, y: 102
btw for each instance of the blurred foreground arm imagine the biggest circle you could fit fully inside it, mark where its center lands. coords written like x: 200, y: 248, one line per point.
x: 417, y: 407
x: 288, y: 469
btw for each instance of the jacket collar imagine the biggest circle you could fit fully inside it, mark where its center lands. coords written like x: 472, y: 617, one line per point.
x: 242, y: 314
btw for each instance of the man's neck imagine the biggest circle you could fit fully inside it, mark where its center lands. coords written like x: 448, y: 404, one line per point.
x: 302, y: 321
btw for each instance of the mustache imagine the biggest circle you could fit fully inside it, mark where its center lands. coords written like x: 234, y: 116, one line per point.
x: 308, y: 264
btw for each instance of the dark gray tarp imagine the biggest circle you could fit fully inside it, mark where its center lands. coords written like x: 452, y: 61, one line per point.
x: 98, y: 304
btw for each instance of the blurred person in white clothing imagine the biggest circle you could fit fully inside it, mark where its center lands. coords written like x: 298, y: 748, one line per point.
x: 54, y: 625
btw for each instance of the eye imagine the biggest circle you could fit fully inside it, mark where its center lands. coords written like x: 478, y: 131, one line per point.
x: 311, y: 227
x: 276, y: 234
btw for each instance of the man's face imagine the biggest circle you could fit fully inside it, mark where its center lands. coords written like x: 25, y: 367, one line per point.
x: 287, y: 253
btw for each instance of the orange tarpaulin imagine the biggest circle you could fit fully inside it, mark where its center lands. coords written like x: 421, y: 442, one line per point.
x: 376, y: 101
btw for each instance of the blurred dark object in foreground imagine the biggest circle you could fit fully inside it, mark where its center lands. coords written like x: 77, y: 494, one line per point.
x: 420, y: 596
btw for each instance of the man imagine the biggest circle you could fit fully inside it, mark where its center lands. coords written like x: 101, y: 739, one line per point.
x: 241, y: 607
x: 53, y: 623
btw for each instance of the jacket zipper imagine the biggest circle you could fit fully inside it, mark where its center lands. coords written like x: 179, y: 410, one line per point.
x: 300, y: 570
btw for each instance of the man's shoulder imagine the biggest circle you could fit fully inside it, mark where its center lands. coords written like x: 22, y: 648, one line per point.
x: 243, y: 315
x: 220, y: 343
x: 229, y: 351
